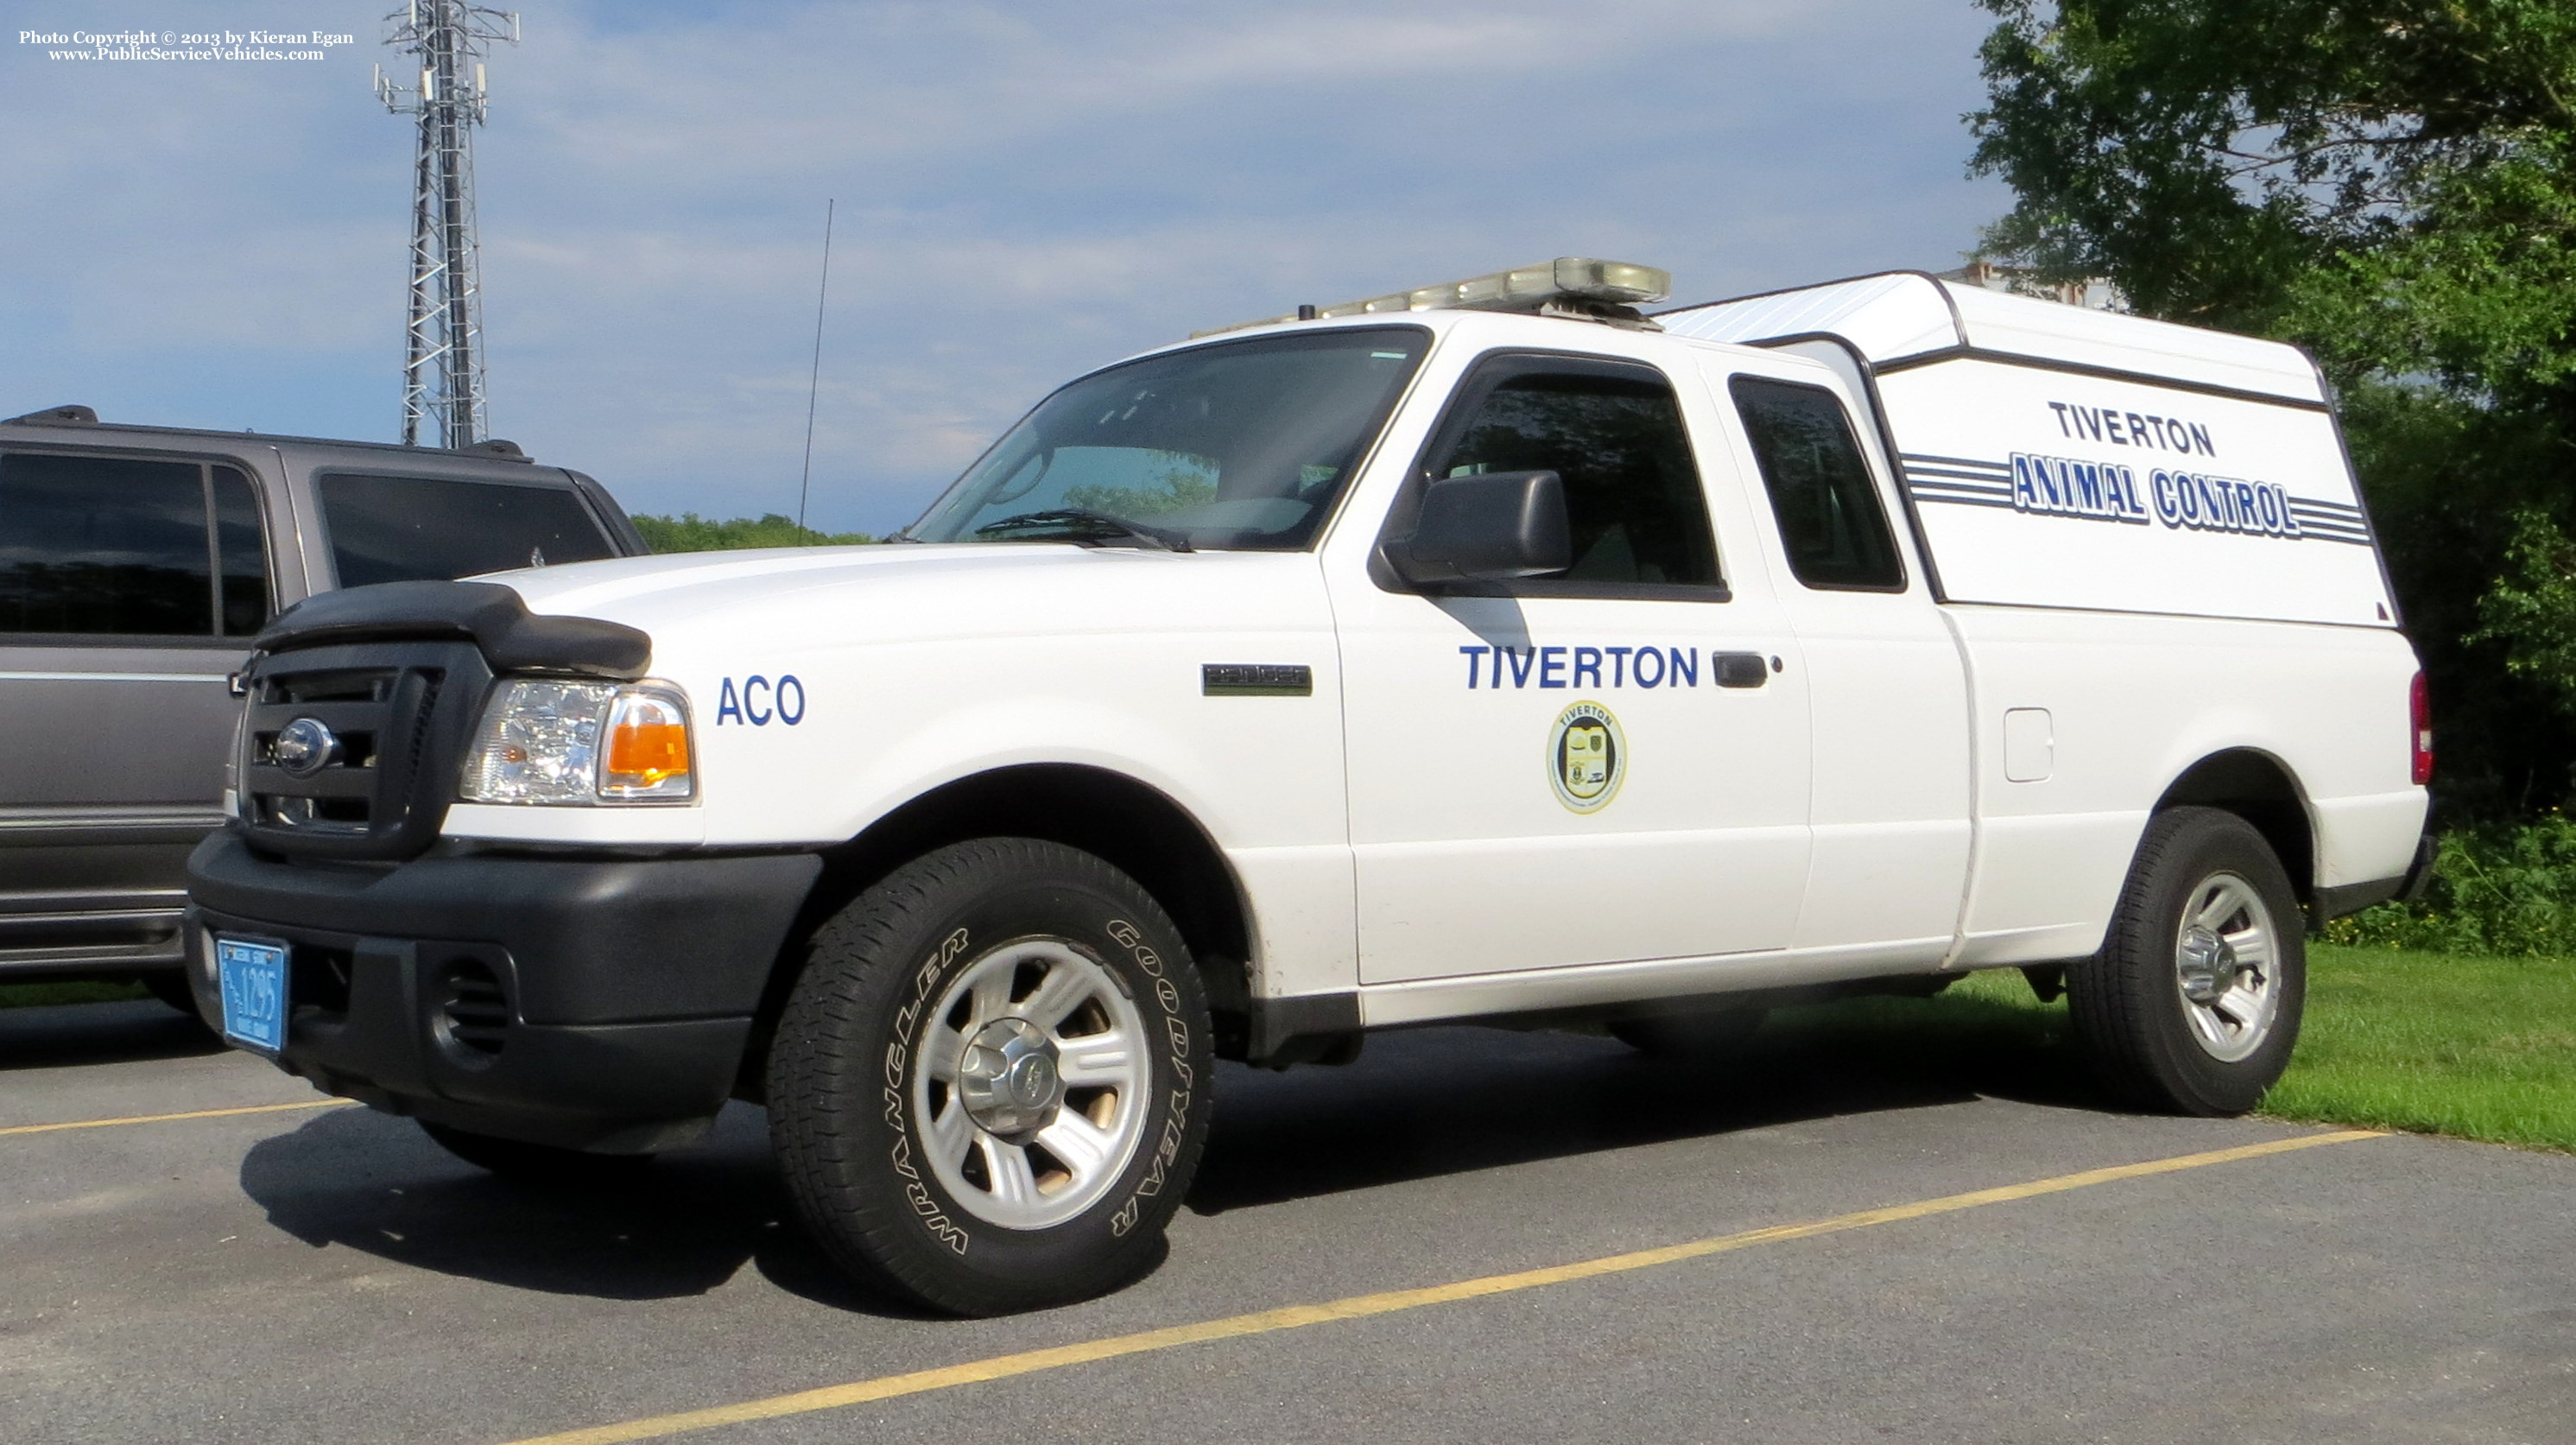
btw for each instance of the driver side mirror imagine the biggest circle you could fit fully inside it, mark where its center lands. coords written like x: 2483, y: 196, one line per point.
x: 1488, y: 528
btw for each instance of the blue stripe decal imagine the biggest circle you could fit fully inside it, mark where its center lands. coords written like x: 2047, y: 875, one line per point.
x: 1971, y: 482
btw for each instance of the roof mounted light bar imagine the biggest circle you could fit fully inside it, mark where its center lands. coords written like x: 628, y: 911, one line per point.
x: 1578, y: 287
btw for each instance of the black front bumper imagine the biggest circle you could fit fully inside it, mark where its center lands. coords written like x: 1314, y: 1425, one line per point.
x: 588, y: 1002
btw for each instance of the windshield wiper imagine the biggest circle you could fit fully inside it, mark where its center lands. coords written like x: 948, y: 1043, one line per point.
x: 1161, y: 539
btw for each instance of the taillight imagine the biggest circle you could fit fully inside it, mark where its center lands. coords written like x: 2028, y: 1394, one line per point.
x: 2419, y: 708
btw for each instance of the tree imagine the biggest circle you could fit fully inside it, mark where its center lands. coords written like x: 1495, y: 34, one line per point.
x: 689, y: 532
x: 2392, y: 184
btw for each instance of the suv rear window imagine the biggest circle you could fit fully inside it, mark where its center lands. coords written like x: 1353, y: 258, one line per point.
x: 410, y: 529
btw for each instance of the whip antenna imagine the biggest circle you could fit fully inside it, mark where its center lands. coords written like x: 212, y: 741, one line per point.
x: 814, y: 385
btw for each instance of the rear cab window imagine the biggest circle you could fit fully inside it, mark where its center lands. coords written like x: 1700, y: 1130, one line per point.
x: 386, y: 528
x: 1831, y: 522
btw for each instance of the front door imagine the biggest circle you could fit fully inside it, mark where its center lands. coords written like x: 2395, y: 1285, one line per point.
x: 1606, y: 765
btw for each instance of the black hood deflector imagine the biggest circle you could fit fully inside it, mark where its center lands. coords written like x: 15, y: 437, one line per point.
x: 511, y: 638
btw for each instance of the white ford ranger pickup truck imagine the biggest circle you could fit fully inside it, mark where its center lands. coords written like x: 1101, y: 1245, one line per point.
x: 1490, y: 651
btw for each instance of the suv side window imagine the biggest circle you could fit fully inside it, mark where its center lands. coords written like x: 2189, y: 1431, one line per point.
x: 1831, y: 523
x: 1613, y: 432
x: 126, y: 547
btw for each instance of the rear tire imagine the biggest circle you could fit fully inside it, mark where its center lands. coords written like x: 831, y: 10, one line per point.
x: 2193, y: 1004
x: 991, y: 1083
x: 548, y: 1164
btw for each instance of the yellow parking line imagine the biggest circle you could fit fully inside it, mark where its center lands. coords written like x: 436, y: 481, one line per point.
x: 1360, y: 1306
x: 168, y: 1118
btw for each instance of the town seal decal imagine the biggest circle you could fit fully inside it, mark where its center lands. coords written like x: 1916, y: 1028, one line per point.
x: 1587, y: 757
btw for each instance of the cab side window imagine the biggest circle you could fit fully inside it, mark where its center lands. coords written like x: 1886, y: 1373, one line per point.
x: 125, y: 547
x: 1612, y: 431
x: 1831, y: 522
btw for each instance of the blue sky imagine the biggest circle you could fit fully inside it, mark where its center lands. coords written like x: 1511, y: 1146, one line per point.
x: 1025, y: 191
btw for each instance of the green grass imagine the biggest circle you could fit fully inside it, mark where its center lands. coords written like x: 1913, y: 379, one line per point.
x: 30, y: 995
x: 2437, y: 1043
x: 2434, y: 1043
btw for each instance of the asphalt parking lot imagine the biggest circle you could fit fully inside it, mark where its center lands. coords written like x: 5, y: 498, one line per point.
x: 1902, y: 1249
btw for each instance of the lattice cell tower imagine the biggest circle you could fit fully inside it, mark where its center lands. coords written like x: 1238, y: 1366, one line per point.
x: 443, y: 333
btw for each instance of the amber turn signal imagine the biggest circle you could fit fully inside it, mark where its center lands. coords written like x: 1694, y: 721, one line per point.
x: 647, y: 752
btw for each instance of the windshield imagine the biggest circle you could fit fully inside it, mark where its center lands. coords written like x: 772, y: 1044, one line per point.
x: 1242, y: 444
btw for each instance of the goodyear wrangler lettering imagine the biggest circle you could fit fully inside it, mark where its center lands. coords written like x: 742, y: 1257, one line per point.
x: 1556, y: 667
x: 933, y: 1217
x: 1167, y: 1149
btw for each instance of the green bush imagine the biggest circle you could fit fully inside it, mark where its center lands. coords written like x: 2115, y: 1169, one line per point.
x: 2501, y: 889
x: 689, y: 532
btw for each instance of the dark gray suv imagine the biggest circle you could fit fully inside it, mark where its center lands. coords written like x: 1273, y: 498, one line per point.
x: 135, y: 564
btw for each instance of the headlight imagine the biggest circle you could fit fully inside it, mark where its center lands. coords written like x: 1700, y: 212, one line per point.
x: 581, y: 743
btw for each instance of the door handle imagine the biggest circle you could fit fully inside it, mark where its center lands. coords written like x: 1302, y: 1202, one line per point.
x: 1742, y: 669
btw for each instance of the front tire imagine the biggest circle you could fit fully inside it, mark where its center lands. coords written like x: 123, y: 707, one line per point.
x: 2193, y: 1004
x: 990, y: 1085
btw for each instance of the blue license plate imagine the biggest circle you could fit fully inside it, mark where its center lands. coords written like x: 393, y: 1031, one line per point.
x: 253, y: 979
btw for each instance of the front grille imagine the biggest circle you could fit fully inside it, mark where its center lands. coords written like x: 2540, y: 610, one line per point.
x: 391, y: 719
x: 473, y: 1016
x: 360, y: 684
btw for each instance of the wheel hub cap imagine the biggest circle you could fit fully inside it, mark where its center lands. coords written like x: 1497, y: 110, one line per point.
x: 2207, y: 965
x: 2226, y: 954
x: 1009, y: 1080
x: 1031, y: 1083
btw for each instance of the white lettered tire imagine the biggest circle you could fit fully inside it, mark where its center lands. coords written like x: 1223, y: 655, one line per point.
x: 990, y: 1085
